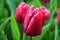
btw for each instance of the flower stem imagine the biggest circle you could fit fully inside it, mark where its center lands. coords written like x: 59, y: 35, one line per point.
x: 30, y: 37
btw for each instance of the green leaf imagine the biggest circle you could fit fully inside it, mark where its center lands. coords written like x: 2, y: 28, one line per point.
x: 47, y: 36
x: 14, y: 27
x: 18, y: 2
x: 36, y: 3
x: 5, y: 13
x: 26, y: 37
x: 2, y: 20
x: 3, y: 36
x: 56, y: 31
x: 45, y: 29
x: 20, y: 26
x: 2, y: 26
x: 53, y: 8
x: 12, y: 6
x: 1, y: 8
x: 36, y: 38
x: 8, y: 31
x: 58, y: 3
x: 53, y: 5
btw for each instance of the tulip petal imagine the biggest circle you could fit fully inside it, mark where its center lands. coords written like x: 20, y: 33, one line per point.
x: 35, y: 27
x: 28, y: 17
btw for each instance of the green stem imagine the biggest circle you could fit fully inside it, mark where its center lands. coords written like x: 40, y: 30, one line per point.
x: 30, y: 37
x: 21, y: 31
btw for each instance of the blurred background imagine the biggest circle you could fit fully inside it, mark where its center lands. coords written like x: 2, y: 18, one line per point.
x: 11, y: 30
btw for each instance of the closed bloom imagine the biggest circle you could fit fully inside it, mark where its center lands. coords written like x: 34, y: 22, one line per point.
x: 33, y: 22
x: 45, y: 1
x: 59, y: 16
x: 21, y: 12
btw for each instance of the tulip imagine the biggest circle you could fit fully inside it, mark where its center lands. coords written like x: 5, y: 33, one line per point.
x: 59, y: 16
x: 21, y: 12
x: 34, y: 20
x: 45, y: 1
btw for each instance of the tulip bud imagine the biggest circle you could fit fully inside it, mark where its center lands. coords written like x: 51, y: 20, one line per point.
x: 59, y: 16
x: 21, y: 12
x: 45, y: 1
x: 45, y: 11
x: 33, y: 22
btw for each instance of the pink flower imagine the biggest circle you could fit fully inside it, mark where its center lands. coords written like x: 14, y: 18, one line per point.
x: 59, y: 16
x: 34, y: 20
x: 21, y: 12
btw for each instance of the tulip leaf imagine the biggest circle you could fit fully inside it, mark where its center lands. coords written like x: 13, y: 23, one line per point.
x: 17, y: 2
x: 56, y: 31
x: 25, y: 37
x: 58, y: 3
x: 36, y: 38
x: 5, y: 13
x: 2, y: 26
x: 8, y: 31
x: 53, y: 7
x: 12, y: 6
x: 47, y: 36
x: 44, y: 31
x: 1, y: 8
x: 2, y: 20
x: 20, y: 26
x: 3, y: 36
x: 14, y: 27
x: 37, y: 3
x: 53, y: 4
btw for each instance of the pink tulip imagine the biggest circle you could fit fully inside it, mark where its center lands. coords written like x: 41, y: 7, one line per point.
x: 59, y: 16
x: 34, y: 20
x: 21, y: 12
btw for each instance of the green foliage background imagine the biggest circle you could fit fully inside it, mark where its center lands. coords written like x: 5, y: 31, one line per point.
x: 11, y: 30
